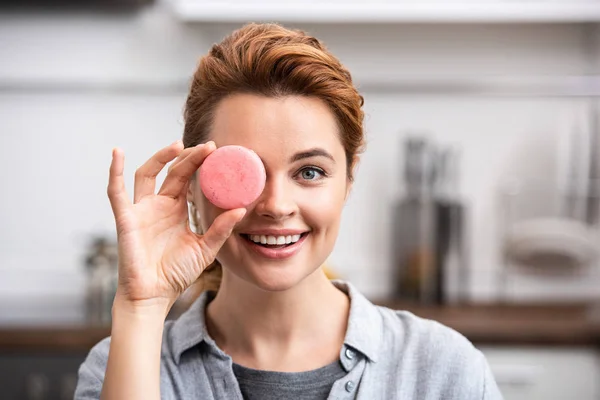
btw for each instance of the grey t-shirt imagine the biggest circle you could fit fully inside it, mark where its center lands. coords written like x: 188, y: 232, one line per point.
x: 270, y: 385
x: 387, y: 354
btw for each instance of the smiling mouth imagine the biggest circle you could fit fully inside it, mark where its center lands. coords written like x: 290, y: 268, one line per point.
x: 273, y: 242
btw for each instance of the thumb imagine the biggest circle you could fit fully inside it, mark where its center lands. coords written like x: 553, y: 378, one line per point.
x: 220, y: 230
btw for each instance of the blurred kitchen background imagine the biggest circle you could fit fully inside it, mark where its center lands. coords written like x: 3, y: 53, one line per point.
x: 476, y: 203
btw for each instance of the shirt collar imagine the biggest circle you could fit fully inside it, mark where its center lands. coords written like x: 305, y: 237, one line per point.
x: 365, y: 325
x: 364, y: 331
x: 189, y: 329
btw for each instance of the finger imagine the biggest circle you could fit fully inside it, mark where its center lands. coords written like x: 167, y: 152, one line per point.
x: 186, y: 152
x: 221, y: 228
x: 181, y: 173
x: 119, y: 201
x: 145, y: 176
x: 179, y: 158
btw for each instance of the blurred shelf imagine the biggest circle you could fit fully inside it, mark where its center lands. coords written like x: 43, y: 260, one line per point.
x: 379, y: 11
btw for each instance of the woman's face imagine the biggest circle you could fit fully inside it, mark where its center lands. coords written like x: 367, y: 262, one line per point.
x: 297, y: 139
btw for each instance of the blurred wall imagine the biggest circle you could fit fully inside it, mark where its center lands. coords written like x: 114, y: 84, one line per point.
x: 55, y: 145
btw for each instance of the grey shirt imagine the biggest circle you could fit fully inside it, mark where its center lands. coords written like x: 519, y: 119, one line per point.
x: 387, y: 354
x: 271, y: 385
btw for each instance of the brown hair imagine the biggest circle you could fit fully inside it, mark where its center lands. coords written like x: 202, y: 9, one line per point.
x: 270, y: 60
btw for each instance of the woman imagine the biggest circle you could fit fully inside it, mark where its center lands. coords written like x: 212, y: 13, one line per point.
x: 277, y: 327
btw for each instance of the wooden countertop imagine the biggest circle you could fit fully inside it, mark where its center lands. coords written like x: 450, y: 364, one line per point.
x: 556, y: 325
x: 52, y: 339
x: 505, y: 324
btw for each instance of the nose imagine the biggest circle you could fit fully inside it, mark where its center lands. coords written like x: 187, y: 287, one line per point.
x: 276, y: 201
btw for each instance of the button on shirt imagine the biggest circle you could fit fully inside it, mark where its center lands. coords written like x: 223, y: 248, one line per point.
x: 387, y: 354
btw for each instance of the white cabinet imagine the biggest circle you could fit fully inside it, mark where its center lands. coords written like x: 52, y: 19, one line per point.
x: 548, y: 373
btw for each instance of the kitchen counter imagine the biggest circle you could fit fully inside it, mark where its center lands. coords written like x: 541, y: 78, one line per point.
x: 507, y: 324
x: 555, y: 325
x: 53, y: 339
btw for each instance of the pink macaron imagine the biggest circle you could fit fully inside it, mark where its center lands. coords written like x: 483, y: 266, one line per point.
x: 232, y: 177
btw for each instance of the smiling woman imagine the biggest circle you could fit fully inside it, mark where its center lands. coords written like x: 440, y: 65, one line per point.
x: 272, y: 325
x: 298, y: 140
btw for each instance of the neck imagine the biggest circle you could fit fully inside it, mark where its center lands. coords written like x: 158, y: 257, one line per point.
x: 277, y: 330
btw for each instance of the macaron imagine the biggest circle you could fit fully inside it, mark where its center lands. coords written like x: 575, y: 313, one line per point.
x: 232, y: 177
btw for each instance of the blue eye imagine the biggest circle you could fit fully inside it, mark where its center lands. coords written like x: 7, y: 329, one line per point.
x: 311, y: 173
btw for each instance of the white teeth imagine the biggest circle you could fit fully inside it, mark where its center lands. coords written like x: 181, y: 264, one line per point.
x: 274, y: 240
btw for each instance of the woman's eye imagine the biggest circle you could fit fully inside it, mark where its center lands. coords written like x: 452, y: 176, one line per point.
x: 311, y: 173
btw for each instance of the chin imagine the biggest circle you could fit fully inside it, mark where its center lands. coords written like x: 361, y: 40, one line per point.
x: 274, y: 281
x: 273, y: 278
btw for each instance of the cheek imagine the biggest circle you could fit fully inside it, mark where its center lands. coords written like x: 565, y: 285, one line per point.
x: 322, y: 207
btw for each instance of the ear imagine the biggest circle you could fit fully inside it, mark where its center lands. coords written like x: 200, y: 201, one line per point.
x: 349, y: 184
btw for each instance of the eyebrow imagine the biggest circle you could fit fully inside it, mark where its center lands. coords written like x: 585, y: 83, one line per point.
x: 316, y: 152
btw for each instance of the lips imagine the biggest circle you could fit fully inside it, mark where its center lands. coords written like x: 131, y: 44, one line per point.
x: 275, y: 251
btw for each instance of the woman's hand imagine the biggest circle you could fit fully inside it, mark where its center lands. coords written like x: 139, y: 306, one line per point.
x: 159, y: 255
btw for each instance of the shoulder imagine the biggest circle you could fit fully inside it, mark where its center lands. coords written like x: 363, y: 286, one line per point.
x: 436, y: 357
x: 415, y: 333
